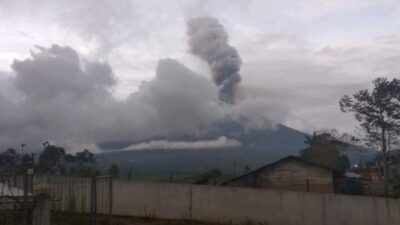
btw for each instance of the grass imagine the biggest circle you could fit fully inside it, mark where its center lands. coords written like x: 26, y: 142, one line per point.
x: 152, y: 221
x: 58, y: 218
x: 157, y: 177
x: 61, y: 218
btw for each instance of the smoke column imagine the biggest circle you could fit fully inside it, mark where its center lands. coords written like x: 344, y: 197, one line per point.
x: 209, y: 41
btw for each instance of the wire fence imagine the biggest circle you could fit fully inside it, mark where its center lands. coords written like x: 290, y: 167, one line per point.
x: 16, y: 202
x: 73, y: 200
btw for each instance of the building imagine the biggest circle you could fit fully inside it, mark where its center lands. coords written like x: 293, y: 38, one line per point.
x: 394, y: 166
x: 376, y: 186
x: 393, y: 160
x: 290, y: 173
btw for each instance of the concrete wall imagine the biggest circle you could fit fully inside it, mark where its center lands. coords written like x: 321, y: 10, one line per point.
x: 238, y: 205
x: 160, y: 200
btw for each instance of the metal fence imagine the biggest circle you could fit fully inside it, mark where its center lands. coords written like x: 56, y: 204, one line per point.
x: 73, y: 200
x: 16, y: 202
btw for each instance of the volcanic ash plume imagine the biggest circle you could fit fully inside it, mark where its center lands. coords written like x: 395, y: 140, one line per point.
x: 209, y: 41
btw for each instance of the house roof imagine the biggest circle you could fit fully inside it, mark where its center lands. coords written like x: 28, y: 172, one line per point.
x: 352, y: 175
x: 8, y: 191
x: 288, y: 158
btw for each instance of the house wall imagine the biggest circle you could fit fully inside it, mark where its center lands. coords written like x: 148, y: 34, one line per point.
x: 289, y: 175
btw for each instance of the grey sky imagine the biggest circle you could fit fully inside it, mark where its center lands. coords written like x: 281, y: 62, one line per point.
x: 306, y: 54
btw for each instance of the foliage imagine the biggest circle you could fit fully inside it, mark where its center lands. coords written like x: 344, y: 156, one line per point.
x: 84, y: 171
x: 52, y: 160
x: 82, y: 164
x: 85, y: 157
x: 8, y: 160
x: 339, y: 137
x: 378, y: 112
x: 113, y: 170
x: 212, y: 174
x: 246, y: 169
x: 323, y: 149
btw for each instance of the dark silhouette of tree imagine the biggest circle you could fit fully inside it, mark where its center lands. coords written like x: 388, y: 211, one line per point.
x: 343, y: 163
x: 85, y: 156
x: 81, y: 164
x: 52, y: 160
x: 311, y: 140
x: 246, y: 169
x: 339, y: 137
x: 378, y: 112
x: 212, y: 174
x: 114, y: 170
x: 130, y: 174
x: 85, y: 172
x: 323, y: 150
x: 12, y: 162
x: 9, y: 160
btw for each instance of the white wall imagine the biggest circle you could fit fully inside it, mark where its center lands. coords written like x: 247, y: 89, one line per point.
x: 160, y: 200
x: 237, y: 205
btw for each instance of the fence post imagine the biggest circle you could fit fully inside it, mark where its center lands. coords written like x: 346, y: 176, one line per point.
x: 111, y: 201
x: 93, y: 202
x: 41, y: 211
x: 25, y: 200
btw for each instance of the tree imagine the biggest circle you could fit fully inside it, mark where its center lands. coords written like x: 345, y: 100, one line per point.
x: 343, y: 163
x: 52, y: 160
x: 81, y: 164
x: 85, y: 157
x: 378, y: 112
x: 344, y: 139
x: 246, y: 169
x: 8, y: 160
x: 212, y: 174
x: 84, y: 172
x: 323, y: 149
x: 114, y: 170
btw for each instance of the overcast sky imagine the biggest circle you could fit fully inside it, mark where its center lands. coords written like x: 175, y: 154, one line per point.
x: 306, y: 54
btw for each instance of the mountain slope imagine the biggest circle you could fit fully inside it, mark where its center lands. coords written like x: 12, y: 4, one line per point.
x: 259, y: 147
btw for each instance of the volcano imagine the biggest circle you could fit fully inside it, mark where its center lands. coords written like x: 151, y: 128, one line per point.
x: 258, y: 147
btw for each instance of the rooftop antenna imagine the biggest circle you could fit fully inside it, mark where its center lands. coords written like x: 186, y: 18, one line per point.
x: 45, y: 144
x: 22, y: 148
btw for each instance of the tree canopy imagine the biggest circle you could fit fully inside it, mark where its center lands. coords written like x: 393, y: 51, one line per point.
x: 113, y: 170
x: 378, y: 112
x: 323, y: 149
x: 54, y: 160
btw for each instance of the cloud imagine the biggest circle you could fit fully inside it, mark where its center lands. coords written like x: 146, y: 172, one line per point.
x: 303, y: 55
x: 176, y: 101
x: 309, y: 80
x: 53, y: 96
x: 58, y: 95
x: 57, y: 72
x: 221, y: 142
